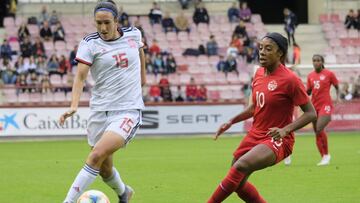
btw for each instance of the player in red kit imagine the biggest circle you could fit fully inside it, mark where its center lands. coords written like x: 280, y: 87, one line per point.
x: 275, y: 93
x: 318, y: 85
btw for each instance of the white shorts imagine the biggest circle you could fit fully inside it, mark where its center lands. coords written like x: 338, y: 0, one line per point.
x: 124, y: 122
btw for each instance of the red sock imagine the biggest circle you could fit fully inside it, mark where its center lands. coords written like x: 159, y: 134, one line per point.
x: 319, y: 144
x: 227, y: 186
x: 324, y: 142
x: 249, y: 194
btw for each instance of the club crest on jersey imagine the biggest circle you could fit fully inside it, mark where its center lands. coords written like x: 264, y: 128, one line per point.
x: 322, y: 77
x: 132, y: 43
x: 272, y: 85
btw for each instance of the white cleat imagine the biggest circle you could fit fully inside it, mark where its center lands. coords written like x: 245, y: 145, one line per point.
x: 287, y: 161
x: 325, y: 160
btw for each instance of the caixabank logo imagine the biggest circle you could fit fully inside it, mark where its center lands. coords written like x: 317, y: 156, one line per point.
x: 7, y: 121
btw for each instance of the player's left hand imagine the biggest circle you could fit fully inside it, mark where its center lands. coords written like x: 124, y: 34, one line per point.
x: 277, y: 133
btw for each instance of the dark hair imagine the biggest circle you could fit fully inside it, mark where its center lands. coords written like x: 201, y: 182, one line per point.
x: 321, y: 58
x: 107, y: 5
x: 281, y: 42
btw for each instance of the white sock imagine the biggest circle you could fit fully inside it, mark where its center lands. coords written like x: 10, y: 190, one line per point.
x: 115, y: 182
x: 86, y: 176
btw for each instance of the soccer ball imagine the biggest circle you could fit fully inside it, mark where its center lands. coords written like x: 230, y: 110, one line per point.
x: 93, y: 196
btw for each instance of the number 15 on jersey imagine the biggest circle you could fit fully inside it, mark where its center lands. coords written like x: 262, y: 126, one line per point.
x: 121, y: 60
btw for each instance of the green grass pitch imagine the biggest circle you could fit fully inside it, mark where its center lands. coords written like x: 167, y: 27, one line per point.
x: 181, y: 170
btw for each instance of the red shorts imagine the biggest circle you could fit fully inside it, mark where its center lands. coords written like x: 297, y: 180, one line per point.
x: 282, y: 149
x: 324, y: 110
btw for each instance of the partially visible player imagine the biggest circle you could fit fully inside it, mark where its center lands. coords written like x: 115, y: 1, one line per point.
x: 319, y: 82
x: 115, y: 59
x: 275, y: 93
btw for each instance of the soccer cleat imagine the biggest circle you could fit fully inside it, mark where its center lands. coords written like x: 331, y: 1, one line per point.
x: 325, y: 160
x: 125, y: 198
x: 287, y: 161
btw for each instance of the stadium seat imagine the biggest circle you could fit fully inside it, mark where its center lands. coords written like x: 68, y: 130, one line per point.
x: 23, y: 98
x: 9, y: 22
x: 35, y: 97
x: 323, y: 18
x: 334, y: 18
x: 214, y: 95
x: 330, y: 58
x: 226, y: 95
x: 233, y: 78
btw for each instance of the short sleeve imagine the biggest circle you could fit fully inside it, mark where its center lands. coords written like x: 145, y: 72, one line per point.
x: 138, y: 38
x: 84, y: 54
x: 334, y: 80
x: 298, y: 95
x: 308, y: 84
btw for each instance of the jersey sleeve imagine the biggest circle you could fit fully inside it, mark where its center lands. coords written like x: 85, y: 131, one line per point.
x: 138, y: 38
x: 298, y: 93
x: 333, y: 79
x: 84, y: 54
x: 308, y: 83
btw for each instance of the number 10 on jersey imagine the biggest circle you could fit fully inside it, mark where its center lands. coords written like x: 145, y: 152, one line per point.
x: 121, y: 60
x: 260, y: 99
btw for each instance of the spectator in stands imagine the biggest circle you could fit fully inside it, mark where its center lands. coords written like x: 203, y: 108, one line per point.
x: 149, y: 64
x: 54, y: 18
x: 290, y: 22
x: 45, y: 31
x: 30, y: 65
x: 212, y: 46
x: 12, y: 8
x: 59, y: 33
x: 138, y: 25
x: 20, y: 66
x: 191, y: 90
x: 351, y: 20
x: 155, y: 93
x: 202, y: 49
x: 233, y: 13
x: 164, y: 81
x: 182, y: 23
x: 245, y: 12
x: 4, y: 8
x: 345, y: 92
x: 2, y: 94
x: 38, y: 48
x: 122, y: 16
x: 41, y: 65
x: 33, y: 82
x: 170, y: 64
x: 23, y: 32
x: 201, y: 15
x: 158, y: 64
x: 240, y: 31
x: 26, y: 48
x: 5, y: 50
x: 358, y: 19
x: 45, y: 84
x: 53, y: 65
x: 201, y: 93
x: 154, y: 48
x: 64, y: 65
x: 69, y: 82
x: 184, y: 3
x: 221, y: 65
x: 356, y: 89
x: 21, y: 84
x: 231, y: 65
x: 296, y: 54
x: 166, y: 94
x: 155, y: 14
x: 236, y: 46
x: 179, y: 94
x: 125, y: 24
x: 72, y: 57
x: 168, y: 23
x: 251, y: 51
x: 43, y: 16
x: 9, y: 74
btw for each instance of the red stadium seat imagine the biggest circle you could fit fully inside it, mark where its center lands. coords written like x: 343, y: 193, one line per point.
x: 323, y: 18
x: 214, y: 95
x: 334, y: 18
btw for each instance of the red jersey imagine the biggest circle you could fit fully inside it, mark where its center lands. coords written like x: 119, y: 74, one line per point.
x: 202, y: 93
x: 319, y: 84
x: 274, y: 97
x: 154, y: 91
x: 191, y: 90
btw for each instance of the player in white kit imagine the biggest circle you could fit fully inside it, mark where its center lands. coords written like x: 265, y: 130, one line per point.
x: 115, y: 59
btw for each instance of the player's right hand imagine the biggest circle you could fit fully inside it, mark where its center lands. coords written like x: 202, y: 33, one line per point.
x: 66, y: 115
x: 222, y: 129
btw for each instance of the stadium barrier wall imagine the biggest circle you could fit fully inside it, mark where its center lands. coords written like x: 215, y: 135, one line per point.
x: 157, y: 120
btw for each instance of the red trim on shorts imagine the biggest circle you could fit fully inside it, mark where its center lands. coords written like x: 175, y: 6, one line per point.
x: 83, y: 61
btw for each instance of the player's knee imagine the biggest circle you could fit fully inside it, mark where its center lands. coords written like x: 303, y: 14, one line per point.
x: 96, y: 157
x: 243, y: 166
x: 318, y: 130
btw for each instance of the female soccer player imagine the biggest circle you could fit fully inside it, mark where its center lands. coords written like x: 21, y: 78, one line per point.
x: 116, y: 61
x: 275, y: 93
x: 319, y: 82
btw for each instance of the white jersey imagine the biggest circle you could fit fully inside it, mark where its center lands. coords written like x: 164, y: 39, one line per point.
x: 115, y: 67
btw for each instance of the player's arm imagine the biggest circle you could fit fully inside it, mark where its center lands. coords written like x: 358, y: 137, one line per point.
x: 143, y: 66
x: 247, y: 113
x: 80, y: 77
x: 308, y: 116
